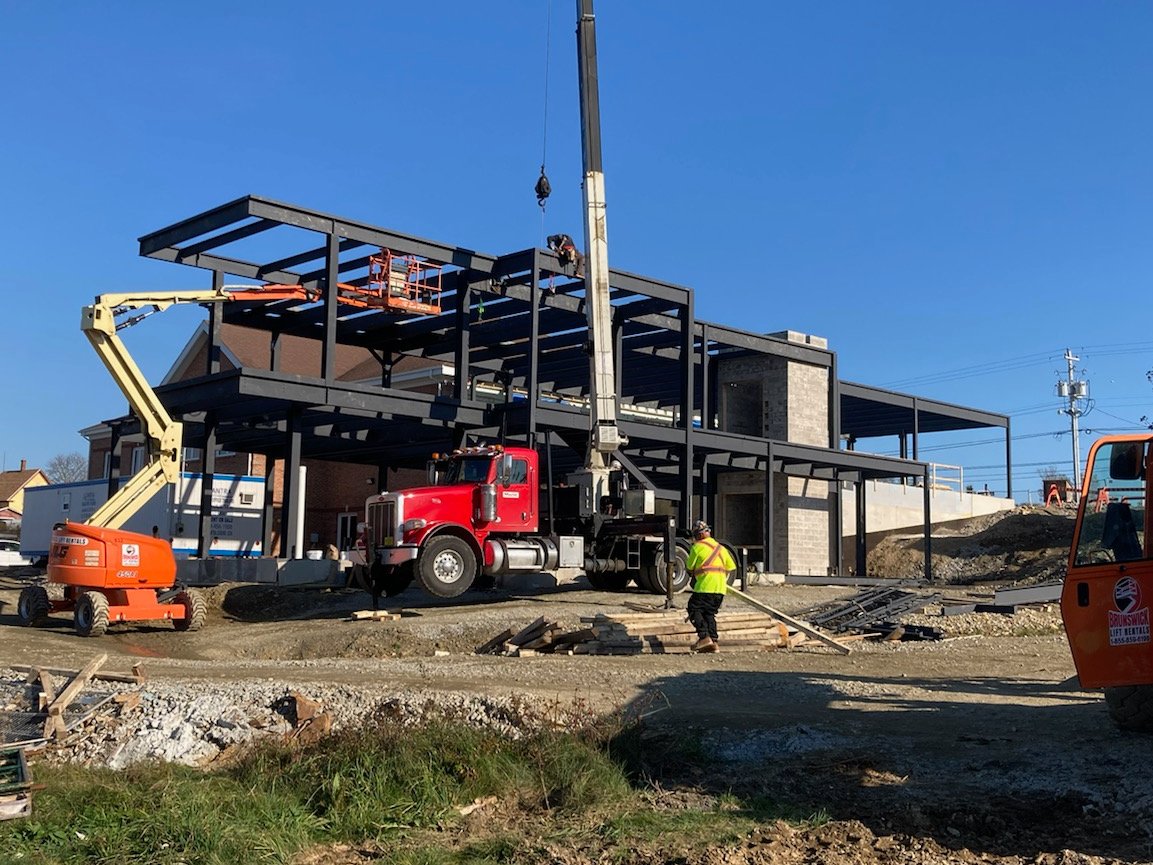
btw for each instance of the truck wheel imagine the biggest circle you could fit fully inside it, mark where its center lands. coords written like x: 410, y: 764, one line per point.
x: 1131, y: 707
x: 446, y: 566
x: 195, y: 611
x: 33, y: 606
x: 609, y: 582
x: 91, y: 615
x: 654, y: 574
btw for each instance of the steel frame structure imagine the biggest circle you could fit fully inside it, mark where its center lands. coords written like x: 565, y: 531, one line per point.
x: 512, y: 324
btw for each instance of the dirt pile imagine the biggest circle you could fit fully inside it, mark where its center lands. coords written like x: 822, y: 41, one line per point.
x: 1026, y: 545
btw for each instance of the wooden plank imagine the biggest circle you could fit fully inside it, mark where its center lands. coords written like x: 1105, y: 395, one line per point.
x: 494, y: 643
x: 374, y: 616
x: 70, y: 692
x: 528, y: 632
x: 803, y: 627
x: 103, y: 675
x: 47, y: 688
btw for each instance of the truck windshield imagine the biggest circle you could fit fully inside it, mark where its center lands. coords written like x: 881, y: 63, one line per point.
x: 467, y: 470
x: 1114, y: 524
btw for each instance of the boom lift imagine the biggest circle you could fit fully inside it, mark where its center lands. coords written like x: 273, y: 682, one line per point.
x: 1108, y: 591
x: 109, y: 574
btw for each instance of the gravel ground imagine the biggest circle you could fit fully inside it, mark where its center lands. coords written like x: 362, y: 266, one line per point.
x: 976, y: 746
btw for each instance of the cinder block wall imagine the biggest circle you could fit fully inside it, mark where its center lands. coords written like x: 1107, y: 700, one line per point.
x: 788, y: 401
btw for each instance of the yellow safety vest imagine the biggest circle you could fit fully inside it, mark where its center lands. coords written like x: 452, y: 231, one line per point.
x: 710, y: 563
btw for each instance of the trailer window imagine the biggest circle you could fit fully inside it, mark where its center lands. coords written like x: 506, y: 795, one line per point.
x: 1114, y: 524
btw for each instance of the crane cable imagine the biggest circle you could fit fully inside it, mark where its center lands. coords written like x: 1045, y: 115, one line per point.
x: 543, y: 187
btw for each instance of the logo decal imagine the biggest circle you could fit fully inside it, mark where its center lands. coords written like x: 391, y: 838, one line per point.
x: 1128, y: 625
x: 130, y: 555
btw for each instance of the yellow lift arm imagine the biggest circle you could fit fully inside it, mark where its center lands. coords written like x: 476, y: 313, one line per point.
x: 163, y: 434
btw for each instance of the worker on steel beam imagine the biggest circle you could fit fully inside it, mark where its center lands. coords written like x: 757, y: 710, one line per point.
x: 567, y: 252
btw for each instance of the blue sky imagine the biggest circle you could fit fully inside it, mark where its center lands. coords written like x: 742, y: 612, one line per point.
x: 951, y: 193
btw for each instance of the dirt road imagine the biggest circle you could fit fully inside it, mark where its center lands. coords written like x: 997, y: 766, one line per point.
x: 982, y: 746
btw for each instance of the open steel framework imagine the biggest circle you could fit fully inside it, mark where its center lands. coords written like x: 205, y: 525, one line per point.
x: 513, y: 328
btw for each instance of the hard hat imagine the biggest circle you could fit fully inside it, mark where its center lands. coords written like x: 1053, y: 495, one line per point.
x: 700, y: 527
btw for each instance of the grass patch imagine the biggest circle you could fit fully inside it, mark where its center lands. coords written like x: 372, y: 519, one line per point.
x: 392, y: 787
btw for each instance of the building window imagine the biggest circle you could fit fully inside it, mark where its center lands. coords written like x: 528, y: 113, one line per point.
x: 139, y: 454
x: 191, y: 455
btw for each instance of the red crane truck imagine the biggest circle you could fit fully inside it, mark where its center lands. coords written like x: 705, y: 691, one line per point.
x: 481, y: 513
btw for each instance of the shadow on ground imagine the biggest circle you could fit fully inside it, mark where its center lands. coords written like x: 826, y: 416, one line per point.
x: 1006, y: 768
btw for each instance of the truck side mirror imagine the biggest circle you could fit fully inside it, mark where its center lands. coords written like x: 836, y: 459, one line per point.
x: 1125, y: 463
x: 504, y: 472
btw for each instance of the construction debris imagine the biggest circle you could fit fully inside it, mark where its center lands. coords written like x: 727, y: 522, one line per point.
x: 15, y: 784
x: 652, y: 631
x: 875, y: 613
x: 374, y: 616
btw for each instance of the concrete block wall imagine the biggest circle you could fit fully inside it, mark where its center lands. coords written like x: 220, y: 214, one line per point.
x: 785, y: 400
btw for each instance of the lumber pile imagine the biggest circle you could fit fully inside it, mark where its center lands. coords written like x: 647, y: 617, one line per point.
x: 637, y: 633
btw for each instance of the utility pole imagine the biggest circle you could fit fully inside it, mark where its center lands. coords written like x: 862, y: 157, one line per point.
x: 1074, y: 390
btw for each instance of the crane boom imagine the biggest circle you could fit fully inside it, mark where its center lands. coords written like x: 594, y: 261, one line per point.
x: 606, y: 436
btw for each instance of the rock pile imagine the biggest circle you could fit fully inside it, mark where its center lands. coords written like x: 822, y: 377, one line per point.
x: 196, y: 722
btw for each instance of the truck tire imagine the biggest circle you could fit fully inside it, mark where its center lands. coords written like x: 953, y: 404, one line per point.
x: 1131, y: 707
x: 90, y: 617
x: 609, y: 582
x: 447, y: 566
x: 195, y: 611
x: 653, y: 575
x: 33, y: 607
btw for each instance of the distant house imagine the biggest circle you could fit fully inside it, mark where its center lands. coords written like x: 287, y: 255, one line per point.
x: 12, y: 486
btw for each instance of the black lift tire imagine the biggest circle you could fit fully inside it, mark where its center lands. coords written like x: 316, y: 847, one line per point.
x: 33, y: 607
x: 90, y: 618
x: 1131, y: 707
x: 195, y: 610
x: 654, y: 574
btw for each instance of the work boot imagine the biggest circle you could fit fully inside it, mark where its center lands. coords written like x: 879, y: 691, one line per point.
x: 704, y: 644
x: 711, y: 647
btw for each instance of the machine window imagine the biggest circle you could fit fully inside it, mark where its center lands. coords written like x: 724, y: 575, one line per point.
x: 1114, y: 523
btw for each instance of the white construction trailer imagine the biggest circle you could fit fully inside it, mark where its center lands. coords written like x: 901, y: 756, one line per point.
x: 237, y: 510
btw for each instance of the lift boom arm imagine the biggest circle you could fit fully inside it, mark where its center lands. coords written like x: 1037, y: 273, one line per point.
x: 164, y: 435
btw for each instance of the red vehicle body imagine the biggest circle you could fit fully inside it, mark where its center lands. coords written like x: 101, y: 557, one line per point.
x: 482, y: 515
x: 1108, y: 592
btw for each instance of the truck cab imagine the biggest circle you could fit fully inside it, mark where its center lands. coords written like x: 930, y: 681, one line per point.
x: 475, y: 516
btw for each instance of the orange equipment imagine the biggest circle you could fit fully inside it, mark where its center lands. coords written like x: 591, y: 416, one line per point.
x: 1108, y: 592
x: 108, y: 574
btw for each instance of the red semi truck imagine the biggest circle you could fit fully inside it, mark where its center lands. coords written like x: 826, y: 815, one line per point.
x: 483, y: 515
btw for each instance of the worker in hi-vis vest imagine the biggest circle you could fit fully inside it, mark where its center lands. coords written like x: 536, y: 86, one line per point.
x: 710, y: 565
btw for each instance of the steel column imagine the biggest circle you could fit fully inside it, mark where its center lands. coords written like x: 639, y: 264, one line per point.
x: 770, y: 553
x: 688, y: 368
x: 533, y: 385
x: 916, y: 429
x: 268, y: 517
x: 928, y: 528
x: 862, y: 549
x: 207, y: 474
x: 706, y: 370
x: 1008, y: 462
x: 331, y: 307
x: 460, y: 390
x: 215, y: 320
x: 291, y: 544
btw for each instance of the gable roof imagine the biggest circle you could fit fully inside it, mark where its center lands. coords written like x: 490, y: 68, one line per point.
x: 14, y: 481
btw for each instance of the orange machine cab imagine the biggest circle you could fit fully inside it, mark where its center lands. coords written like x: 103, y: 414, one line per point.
x: 1108, y: 592
x: 93, y: 557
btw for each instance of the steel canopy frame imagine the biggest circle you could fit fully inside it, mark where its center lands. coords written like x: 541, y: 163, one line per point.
x: 513, y: 322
